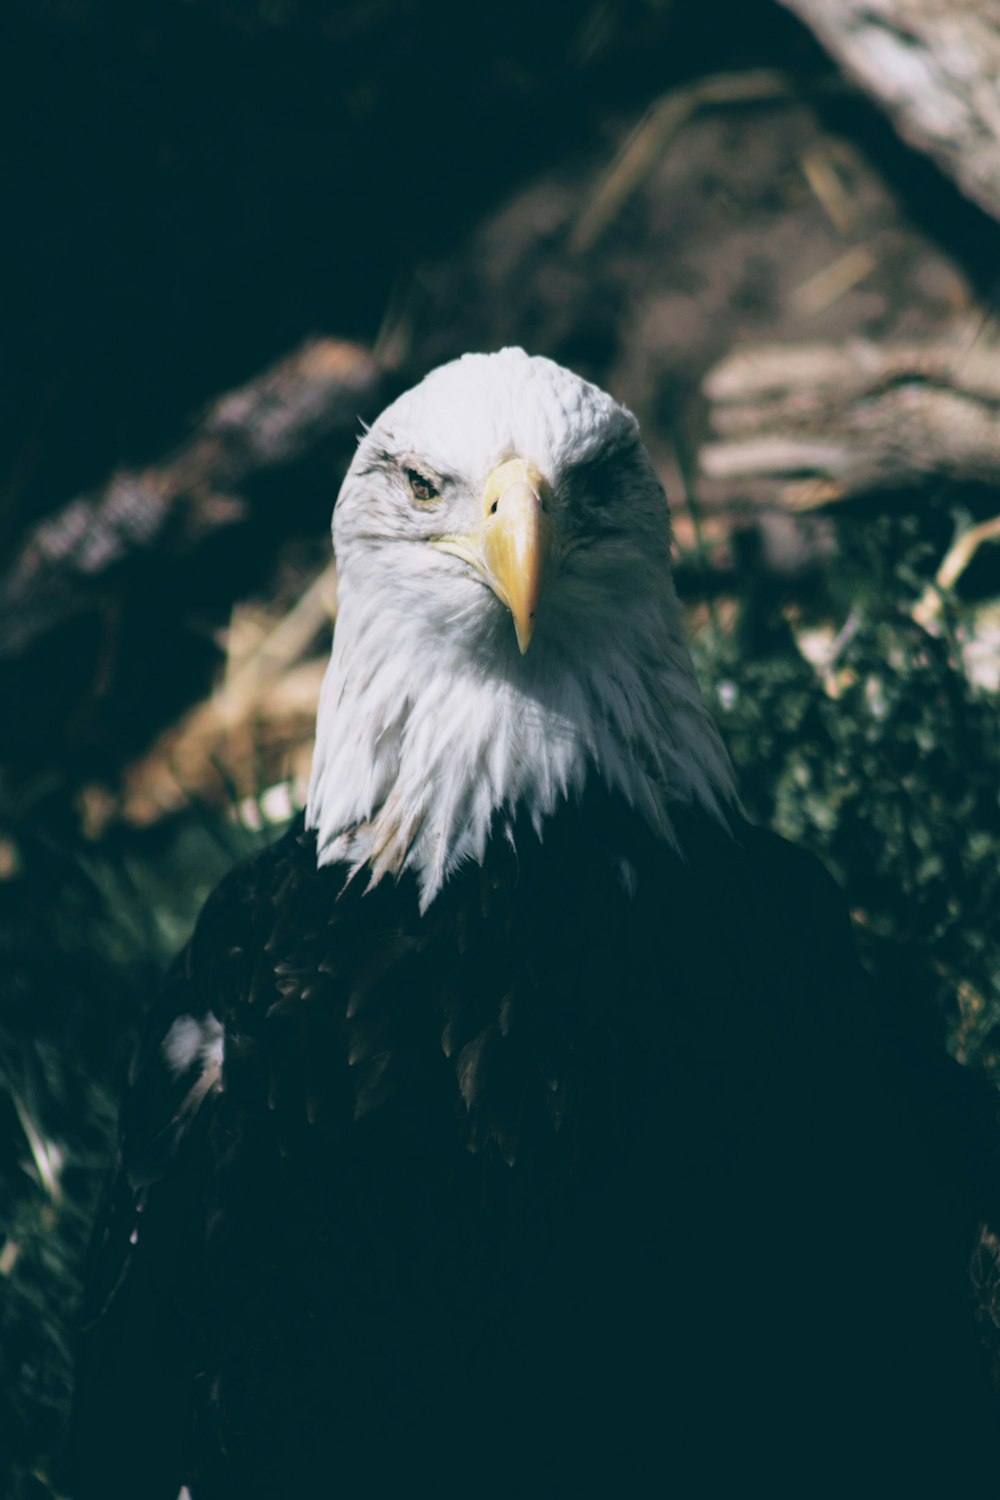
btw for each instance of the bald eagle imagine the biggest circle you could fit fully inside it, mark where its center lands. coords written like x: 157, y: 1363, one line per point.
x: 522, y: 1123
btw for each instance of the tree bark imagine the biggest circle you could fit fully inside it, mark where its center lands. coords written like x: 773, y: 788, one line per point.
x: 807, y: 425
x: 934, y: 67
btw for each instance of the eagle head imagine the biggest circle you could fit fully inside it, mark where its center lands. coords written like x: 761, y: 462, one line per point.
x: 507, y: 625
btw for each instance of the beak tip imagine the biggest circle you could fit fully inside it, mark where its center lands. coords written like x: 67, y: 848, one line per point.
x: 524, y: 632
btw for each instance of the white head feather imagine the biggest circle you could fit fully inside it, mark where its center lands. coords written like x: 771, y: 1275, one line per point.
x: 431, y: 722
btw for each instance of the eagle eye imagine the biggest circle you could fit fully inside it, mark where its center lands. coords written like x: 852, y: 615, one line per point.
x: 422, y: 489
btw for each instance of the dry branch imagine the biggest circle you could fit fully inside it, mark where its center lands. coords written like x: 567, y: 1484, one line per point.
x: 810, y: 424
x: 653, y: 134
x: 934, y: 67
x: 311, y: 399
x: 960, y: 554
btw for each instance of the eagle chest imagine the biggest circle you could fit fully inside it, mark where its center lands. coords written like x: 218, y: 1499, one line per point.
x: 438, y: 1135
x: 526, y: 1015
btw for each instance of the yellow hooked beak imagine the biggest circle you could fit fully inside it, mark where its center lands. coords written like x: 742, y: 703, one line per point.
x: 515, y: 541
x: 513, y: 545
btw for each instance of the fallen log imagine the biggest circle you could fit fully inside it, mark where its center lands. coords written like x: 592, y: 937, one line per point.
x: 312, y: 399
x: 934, y: 67
x: 805, y: 426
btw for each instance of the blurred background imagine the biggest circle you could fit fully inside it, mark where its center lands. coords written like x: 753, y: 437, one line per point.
x: 233, y: 229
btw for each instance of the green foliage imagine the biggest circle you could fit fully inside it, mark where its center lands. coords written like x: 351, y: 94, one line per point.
x: 885, y: 762
x: 84, y: 934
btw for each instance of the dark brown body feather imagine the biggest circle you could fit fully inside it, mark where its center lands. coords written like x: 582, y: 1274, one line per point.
x: 602, y: 1175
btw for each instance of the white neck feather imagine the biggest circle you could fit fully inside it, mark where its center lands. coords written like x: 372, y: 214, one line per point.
x: 422, y: 740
